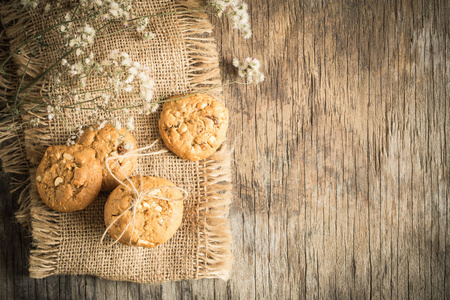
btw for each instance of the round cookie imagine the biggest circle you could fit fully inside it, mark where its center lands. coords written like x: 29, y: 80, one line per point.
x: 109, y: 141
x: 193, y: 127
x: 156, y: 220
x: 68, y: 178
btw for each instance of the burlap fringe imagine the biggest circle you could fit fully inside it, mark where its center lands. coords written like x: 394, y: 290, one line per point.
x: 214, y: 256
x: 201, y: 50
x: 46, y: 237
x: 22, y: 155
x: 12, y: 152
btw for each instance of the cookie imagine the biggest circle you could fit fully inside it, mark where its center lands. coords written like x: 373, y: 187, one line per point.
x: 68, y: 178
x: 156, y: 220
x: 193, y: 127
x: 109, y: 141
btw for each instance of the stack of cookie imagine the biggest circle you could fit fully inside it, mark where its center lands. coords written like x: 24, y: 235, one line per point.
x: 69, y: 178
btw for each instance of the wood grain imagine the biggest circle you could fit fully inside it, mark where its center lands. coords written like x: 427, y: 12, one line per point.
x: 341, y: 163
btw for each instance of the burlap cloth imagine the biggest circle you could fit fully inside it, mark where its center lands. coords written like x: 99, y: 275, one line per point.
x: 182, y: 59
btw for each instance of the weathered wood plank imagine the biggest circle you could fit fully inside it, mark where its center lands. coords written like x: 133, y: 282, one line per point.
x: 341, y: 164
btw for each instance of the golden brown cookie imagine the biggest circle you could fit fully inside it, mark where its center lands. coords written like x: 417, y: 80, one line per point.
x: 193, y: 127
x: 68, y: 178
x: 156, y: 220
x: 109, y: 141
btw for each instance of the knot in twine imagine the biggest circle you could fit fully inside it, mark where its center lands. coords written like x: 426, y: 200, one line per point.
x: 140, y: 194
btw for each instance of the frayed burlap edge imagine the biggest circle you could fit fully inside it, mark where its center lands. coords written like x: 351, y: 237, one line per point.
x: 13, y: 153
x: 214, y: 252
x: 25, y: 143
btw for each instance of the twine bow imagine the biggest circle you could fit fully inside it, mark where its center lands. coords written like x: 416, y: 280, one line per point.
x: 140, y: 194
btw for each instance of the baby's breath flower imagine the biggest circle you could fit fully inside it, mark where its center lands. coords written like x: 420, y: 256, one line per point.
x: 35, y: 122
x: 148, y: 35
x: 130, y: 123
x: 249, y: 69
x: 30, y: 4
x: 85, y: 36
x: 236, y: 11
x: 150, y: 107
x: 73, y: 137
x: 51, y: 112
x: 142, y: 24
x: 102, y: 124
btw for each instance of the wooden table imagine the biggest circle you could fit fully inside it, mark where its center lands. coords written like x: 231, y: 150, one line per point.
x: 341, y: 164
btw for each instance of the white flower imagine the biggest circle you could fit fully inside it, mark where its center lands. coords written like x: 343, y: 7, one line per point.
x: 146, y: 93
x: 130, y: 123
x: 143, y: 77
x: 114, y: 54
x: 35, y: 122
x: 254, y: 64
x: 142, y: 24
x: 30, y: 3
x: 148, y: 35
x: 102, y: 124
x: 83, y: 82
x: 236, y: 62
x: 50, y: 111
x: 126, y: 62
x: 150, y: 108
x: 72, y: 42
x: 47, y: 7
x: 236, y: 11
x: 249, y: 69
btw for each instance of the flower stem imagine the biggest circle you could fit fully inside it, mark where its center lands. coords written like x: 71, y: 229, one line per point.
x: 23, y: 77
x: 38, y: 36
x: 32, y: 84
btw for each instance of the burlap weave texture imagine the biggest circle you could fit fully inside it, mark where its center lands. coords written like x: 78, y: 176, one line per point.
x: 182, y: 59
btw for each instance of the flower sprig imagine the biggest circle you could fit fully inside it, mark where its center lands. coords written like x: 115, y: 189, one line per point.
x: 249, y: 69
x: 120, y: 74
x: 236, y: 11
x: 79, y: 28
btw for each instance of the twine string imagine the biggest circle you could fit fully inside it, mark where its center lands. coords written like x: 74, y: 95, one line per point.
x: 140, y: 194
